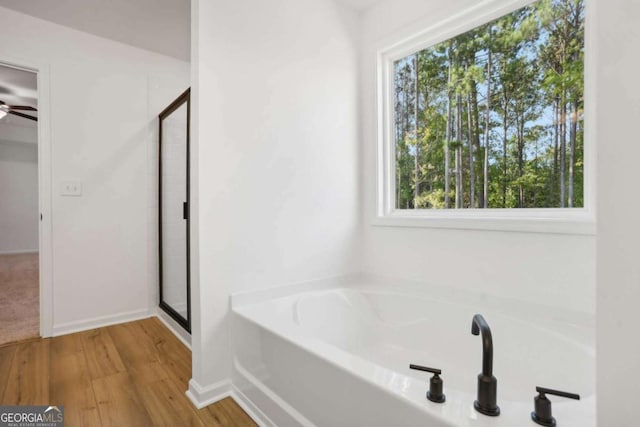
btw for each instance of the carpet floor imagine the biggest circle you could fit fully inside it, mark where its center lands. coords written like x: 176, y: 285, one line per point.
x: 19, y: 298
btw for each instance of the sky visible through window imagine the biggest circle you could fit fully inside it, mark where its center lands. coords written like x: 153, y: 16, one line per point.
x: 494, y: 118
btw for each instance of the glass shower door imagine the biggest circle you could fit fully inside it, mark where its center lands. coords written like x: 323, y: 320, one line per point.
x: 174, y: 211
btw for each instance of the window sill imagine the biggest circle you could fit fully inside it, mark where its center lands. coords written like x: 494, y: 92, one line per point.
x: 525, y: 221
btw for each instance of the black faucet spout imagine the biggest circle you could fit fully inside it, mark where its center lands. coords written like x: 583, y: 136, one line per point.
x: 479, y: 325
x: 487, y: 384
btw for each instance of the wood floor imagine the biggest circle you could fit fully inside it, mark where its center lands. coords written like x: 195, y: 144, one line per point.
x: 19, y: 302
x: 128, y: 375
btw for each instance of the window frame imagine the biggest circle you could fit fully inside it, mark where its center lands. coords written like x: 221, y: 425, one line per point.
x: 540, y: 220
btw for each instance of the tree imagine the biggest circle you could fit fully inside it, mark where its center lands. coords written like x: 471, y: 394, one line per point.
x: 493, y: 117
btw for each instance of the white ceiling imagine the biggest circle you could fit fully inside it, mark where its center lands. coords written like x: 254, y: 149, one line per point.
x: 359, y: 5
x: 18, y: 87
x: 161, y: 26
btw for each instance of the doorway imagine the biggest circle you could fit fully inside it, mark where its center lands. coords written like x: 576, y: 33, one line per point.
x: 19, y: 207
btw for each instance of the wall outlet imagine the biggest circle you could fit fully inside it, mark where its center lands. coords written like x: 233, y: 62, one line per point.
x: 71, y: 188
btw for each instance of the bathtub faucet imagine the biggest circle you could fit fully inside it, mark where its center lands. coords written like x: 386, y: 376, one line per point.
x: 487, y: 383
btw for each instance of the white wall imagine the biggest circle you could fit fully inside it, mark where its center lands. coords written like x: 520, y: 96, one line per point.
x: 275, y: 124
x: 545, y: 268
x: 618, y: 266
x: 104, y: 97
x: 18, y: 191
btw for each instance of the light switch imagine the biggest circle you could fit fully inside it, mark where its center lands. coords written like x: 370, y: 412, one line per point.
x: 71, y: 188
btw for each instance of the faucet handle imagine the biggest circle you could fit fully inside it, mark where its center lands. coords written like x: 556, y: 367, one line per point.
x: 435, y: 384
x: 424, y: 368
x: 542, y: 413
x: 543, y: 391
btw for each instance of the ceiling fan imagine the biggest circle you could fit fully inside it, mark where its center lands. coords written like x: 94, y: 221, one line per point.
x: 14, y: 109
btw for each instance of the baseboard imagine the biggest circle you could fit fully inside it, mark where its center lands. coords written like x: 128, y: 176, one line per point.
x: 176, y: 329
x: 204, y: 396
x: 100, y: 322
x: 281, y: 410
x: 250, y: 408
x: 20, y: 252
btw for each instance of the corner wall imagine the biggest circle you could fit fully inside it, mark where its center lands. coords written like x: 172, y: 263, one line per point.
x: 618, y: 266
x: 104, y: 99
x: 275, y: 131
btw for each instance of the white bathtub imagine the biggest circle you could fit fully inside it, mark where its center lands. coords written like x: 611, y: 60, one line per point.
x: 340, y: 357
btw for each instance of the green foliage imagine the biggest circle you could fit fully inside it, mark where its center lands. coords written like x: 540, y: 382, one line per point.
x: 531, y: 62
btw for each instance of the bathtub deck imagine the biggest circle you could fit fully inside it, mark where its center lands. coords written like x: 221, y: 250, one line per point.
x: 133, y: 374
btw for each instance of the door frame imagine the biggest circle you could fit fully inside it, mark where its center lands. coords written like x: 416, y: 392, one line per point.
x: 45, y: 233
x: 184, y: 98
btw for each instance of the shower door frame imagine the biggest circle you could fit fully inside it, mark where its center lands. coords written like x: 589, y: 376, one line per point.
x: 184, y: 98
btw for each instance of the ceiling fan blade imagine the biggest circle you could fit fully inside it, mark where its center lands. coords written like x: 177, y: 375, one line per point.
x: 26, y: 116
x: 22, y: 107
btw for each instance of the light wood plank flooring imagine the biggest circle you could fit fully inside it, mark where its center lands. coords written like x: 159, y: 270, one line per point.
x: 19, y: 302
x: 133, y: 374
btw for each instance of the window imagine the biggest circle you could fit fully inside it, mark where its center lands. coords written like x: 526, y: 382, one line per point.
x: 490, y: 119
